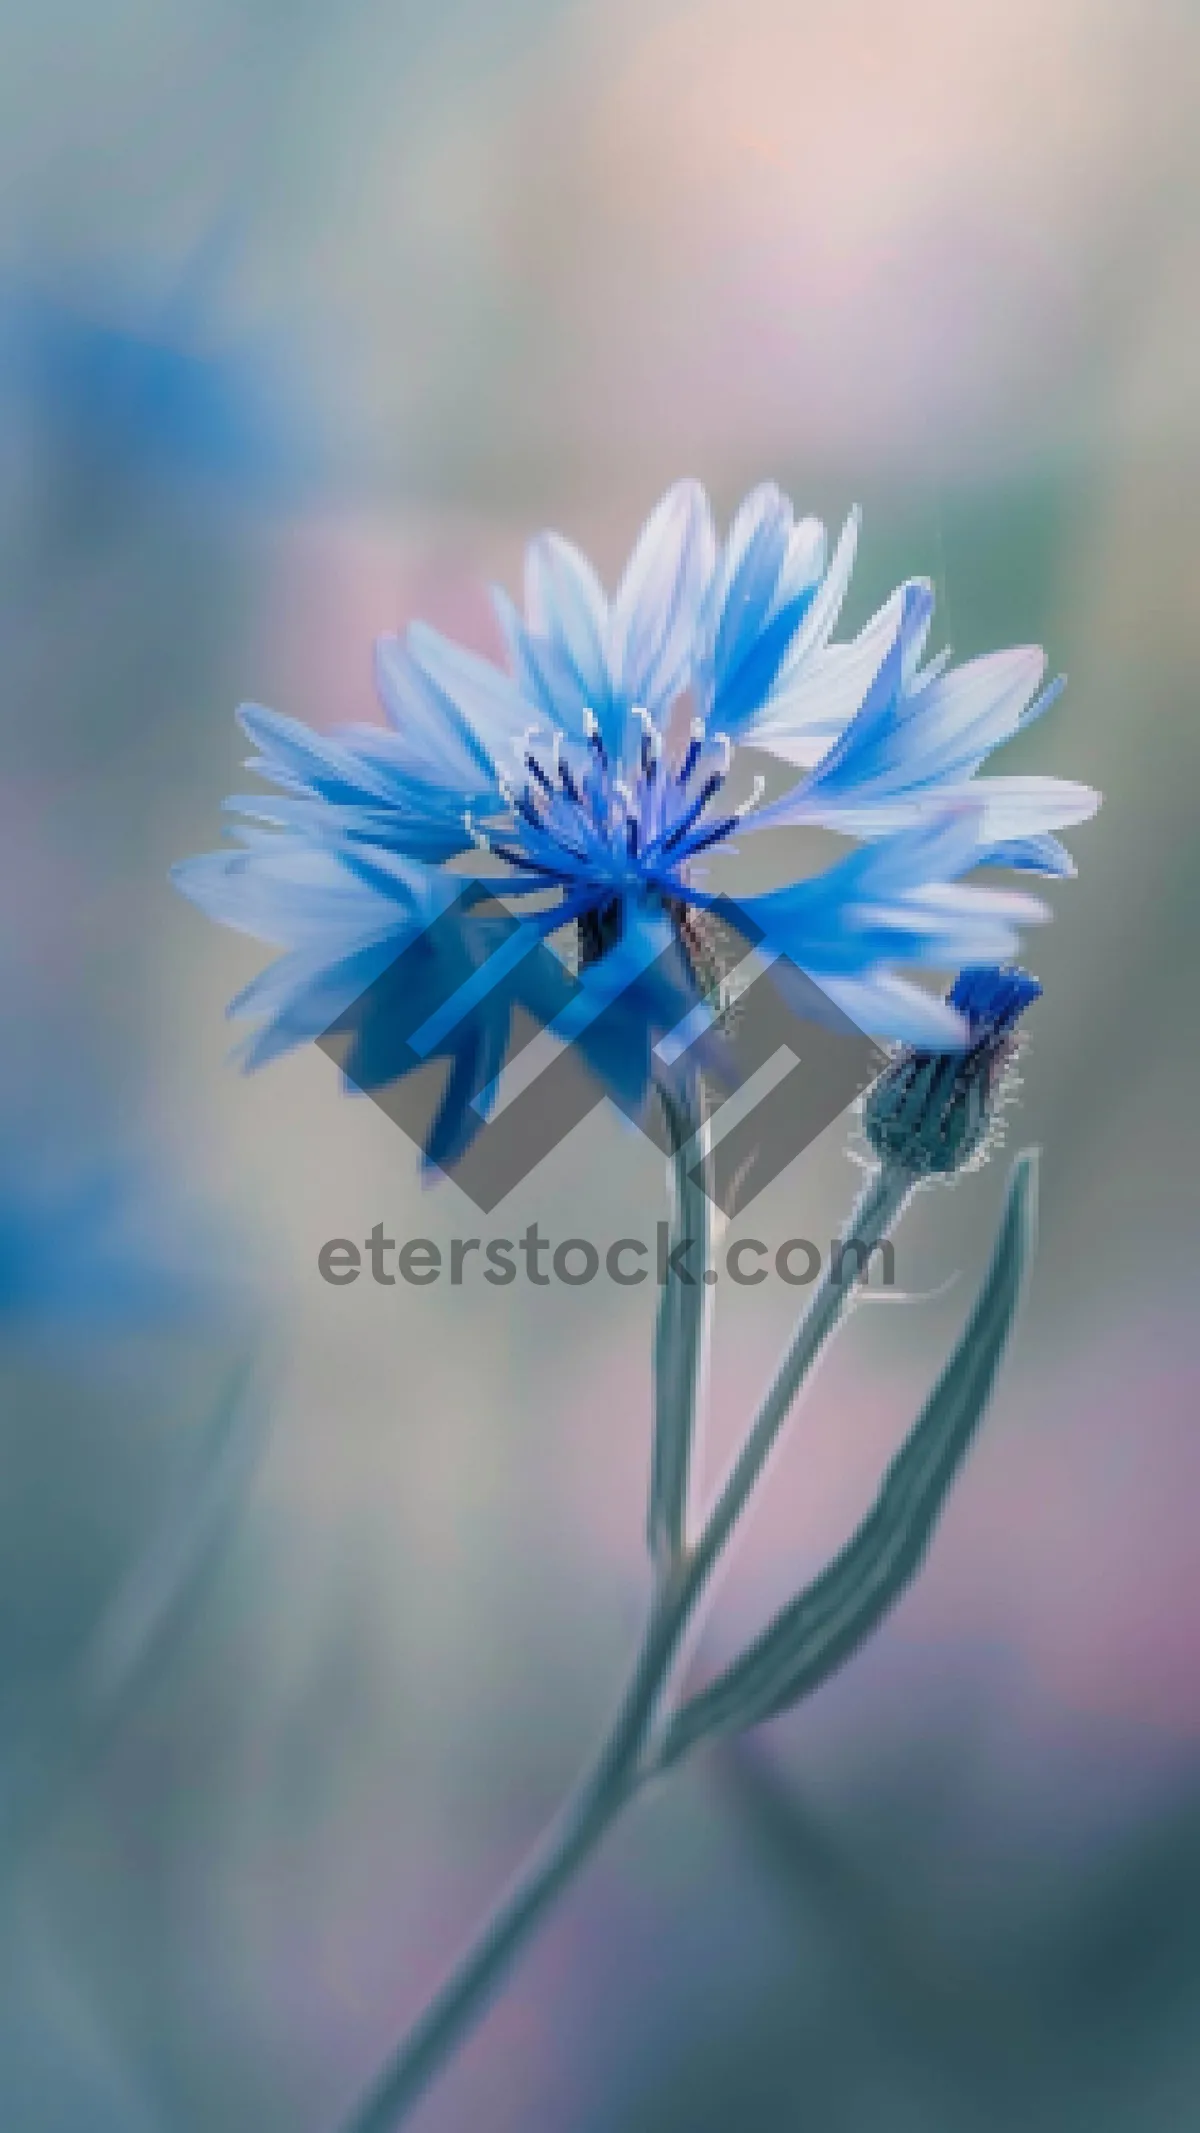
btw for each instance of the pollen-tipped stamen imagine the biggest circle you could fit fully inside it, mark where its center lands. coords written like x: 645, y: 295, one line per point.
x: 536, y: 770
x: 692, y: 753
x: 593, y: 735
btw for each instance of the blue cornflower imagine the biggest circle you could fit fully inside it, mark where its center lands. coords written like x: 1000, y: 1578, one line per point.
x: 591, y: 782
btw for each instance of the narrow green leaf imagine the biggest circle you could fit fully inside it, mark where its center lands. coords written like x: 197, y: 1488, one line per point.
x: 829, y: 1620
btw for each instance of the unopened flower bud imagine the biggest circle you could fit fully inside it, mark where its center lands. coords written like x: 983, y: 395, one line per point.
x: 931, y: 1112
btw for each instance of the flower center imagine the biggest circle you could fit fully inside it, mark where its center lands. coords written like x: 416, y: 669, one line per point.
x: 581, y: 817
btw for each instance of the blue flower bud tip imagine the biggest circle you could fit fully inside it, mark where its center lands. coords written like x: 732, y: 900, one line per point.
x: 993, y: 999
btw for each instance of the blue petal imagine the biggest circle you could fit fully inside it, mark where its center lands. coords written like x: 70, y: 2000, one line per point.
x: 492, y: 710
x: 434, y: 837
x: 857, y: 755
x: 896, y: 901
x: 770, y: 609
x: 438, y: 743
x: 286, y: 891
x: 744, y: 588
x: 919, y: 738
x: 300, y: 995
x: 565, y: 604
x: 764, y: 586
x: 1026, y: 806
x: 884, y: 1005
x: 1030, y: 855
x: 816, y: 697
x: 821, y: 616
x: 652, y: 630
x: 303, y: 761
x: 545, y: 675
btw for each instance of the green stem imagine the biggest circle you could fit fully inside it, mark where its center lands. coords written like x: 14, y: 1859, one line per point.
x: 876, y: 1211
x: 469, y: 1989
x: 624, y: 1763
x: 679, y: 1339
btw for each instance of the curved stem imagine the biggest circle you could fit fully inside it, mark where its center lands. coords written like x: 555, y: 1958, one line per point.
x: 624, y: 1762
x: 471, y: 1985
x: 680, y: 1337
x: 474, y: 1980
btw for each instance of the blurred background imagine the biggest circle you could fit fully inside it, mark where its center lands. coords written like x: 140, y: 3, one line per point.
x: 314, y: 1600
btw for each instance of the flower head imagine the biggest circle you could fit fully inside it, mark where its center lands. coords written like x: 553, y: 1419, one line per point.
x: 591, y: 783
x: 933, y: 1112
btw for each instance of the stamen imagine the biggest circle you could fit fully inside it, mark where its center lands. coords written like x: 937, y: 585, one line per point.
x: 522, y: 859
x: 692, y: 756
x: 715, y: 832
x: 592, y: 734
x: 710, y: 786
x: 751, y: 802
x: 532, y: 764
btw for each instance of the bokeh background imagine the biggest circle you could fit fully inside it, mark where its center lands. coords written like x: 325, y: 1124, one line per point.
x: 313, y: 1601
